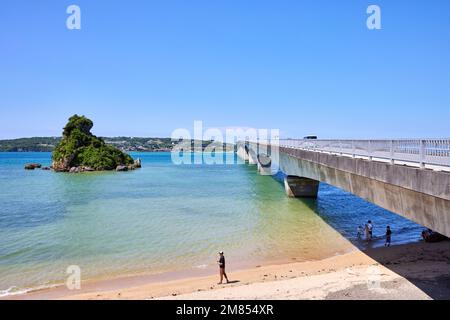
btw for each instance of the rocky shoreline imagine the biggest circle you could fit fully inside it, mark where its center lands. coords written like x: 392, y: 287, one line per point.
x: 137, y: 164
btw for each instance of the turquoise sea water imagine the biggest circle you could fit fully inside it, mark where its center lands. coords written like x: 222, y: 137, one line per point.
x: 165, y: 217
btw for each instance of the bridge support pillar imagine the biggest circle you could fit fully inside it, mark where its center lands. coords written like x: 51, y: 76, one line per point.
x: 252, y: 157
x: 301, y: 187
x: 240, y: 152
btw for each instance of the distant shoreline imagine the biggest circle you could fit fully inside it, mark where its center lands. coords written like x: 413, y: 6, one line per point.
x: 40, y: 151
x: 126, y: 144
x: 143, y: 151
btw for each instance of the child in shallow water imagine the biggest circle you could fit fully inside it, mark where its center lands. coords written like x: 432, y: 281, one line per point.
x: 359, y: 232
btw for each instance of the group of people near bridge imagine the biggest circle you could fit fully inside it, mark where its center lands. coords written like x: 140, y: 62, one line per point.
x: 367, y: 231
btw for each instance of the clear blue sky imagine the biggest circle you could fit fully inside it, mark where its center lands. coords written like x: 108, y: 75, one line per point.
x: 145, y: 68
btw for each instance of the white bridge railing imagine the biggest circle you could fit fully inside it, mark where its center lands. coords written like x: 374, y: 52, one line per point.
x: 422, y: 152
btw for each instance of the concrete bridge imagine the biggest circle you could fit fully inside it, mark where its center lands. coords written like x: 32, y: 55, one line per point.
x: 408, y: 177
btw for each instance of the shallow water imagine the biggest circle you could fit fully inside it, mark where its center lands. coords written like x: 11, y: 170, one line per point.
x: 165, y: 217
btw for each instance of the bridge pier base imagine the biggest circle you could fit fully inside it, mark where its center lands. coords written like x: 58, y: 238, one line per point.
x: 264, y: 170
x: 264, y: 165
x: 301, y: 187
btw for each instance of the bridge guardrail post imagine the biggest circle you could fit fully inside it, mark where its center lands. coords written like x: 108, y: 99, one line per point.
x: 422, y: 154
x: 392, y: 152
x: 353, y: 149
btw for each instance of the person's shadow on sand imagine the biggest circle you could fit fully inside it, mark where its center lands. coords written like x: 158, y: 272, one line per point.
x: 232, y: 281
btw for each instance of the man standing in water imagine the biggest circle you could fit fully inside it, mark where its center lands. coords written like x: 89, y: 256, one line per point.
x: 388, y: 236
x: 221, y: 263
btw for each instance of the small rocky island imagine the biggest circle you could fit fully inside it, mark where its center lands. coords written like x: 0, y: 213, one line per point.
x: 80, y: 151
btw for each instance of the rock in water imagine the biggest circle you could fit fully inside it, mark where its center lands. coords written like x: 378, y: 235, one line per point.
x: 80, y: 149
x: 62, y: 164
x: 137, y: 163
x: 32, y: 166
x: 122, y: 168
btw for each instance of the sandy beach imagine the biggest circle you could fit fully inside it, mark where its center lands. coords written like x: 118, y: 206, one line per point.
x: 412, y: 271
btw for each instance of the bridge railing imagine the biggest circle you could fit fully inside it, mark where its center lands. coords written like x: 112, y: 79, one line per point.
x: 420, y: 151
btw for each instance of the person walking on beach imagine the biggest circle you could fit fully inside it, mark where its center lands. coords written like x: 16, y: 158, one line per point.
x: 221, y: 263
x: 388, y: 236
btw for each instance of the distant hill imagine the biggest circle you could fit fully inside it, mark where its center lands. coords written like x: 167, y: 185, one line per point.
x: 36, y: 144
x: 47, y: 144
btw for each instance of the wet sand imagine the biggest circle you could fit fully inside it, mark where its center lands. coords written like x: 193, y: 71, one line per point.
x: 412, y: 271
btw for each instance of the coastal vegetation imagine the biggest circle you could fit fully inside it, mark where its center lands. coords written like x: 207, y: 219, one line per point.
x: 126, y: 144
x: 35, y: 144
x: 80, y: 150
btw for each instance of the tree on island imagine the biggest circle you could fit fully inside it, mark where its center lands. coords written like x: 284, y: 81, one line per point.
x: 80, y: 150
